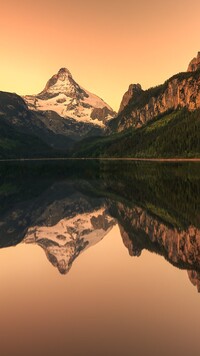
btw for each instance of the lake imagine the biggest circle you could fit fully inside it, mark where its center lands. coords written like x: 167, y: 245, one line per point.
x: 99, y: 258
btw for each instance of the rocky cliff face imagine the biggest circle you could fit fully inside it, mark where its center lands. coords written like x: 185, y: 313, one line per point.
x: 139, y: 106
x: 69, y: 100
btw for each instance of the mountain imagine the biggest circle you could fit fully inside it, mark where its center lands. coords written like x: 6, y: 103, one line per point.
x: 161, y: 122
x: 70, y: 101
x: 67, y: 120
x: 49, y: 123
x: 139, y: 106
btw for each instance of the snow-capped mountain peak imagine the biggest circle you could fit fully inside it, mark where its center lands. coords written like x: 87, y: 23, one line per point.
x: 60, y: 83
x: 67, y: 98
x: 63, y: 73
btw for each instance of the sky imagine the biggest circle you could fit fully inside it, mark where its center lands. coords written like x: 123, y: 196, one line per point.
x: 106, y: 45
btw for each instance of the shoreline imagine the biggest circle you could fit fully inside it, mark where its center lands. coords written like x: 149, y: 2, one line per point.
x: 102, y: 159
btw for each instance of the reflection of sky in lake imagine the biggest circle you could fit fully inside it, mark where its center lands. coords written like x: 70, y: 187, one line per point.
x: 109, y: 303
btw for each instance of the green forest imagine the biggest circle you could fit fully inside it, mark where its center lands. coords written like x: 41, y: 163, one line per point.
x: 174, y: 134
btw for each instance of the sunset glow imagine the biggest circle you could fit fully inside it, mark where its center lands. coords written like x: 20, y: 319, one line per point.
x: 105, y: 45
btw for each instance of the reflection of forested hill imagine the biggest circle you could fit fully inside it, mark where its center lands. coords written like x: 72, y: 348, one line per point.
x: 157, y: 208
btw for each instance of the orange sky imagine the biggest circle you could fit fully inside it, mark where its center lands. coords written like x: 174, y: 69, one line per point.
x: 106, y: 45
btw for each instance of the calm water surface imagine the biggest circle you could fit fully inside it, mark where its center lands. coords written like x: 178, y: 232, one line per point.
x: 99, y: 258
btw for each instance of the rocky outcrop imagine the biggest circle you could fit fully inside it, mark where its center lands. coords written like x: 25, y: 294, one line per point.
x: 134, y: 91
x: 139, y: 107
x: 101, y: 114
x: 194, y: 64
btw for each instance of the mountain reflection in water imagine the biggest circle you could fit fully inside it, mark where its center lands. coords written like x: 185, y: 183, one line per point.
x: 66, y: 207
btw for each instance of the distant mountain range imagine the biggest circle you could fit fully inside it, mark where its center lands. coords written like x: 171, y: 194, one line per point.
x: 67, y: 120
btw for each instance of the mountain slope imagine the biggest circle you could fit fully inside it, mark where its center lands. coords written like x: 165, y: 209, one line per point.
x: 40, y: 134
x: 18, y: 121
x: 15, y: 144
x: 17, y: 138
x: 175, y: 134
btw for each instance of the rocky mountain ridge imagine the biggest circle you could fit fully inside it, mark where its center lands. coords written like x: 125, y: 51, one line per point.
x: 139, y: 106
